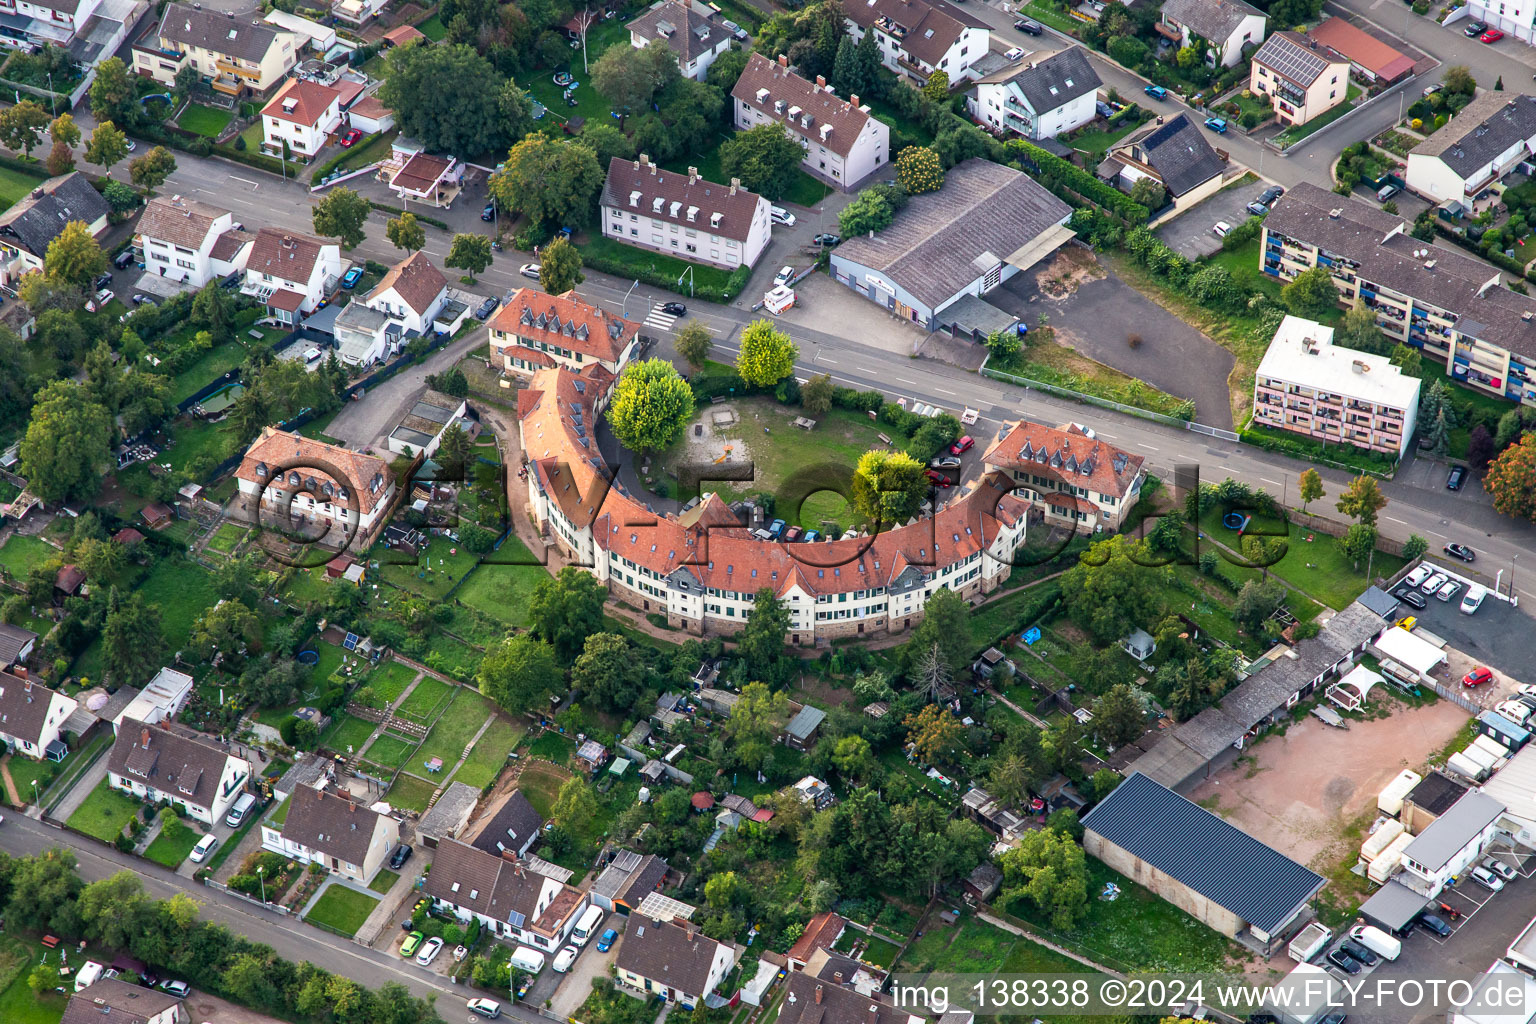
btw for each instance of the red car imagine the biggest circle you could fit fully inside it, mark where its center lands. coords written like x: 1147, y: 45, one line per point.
x: 939, y: 479
x: 963, y: 445
x: 352, y: 136
x: 1477, y: 677
x: 1493, y: 35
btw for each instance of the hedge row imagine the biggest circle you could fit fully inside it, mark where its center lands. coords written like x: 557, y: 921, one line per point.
x: 1054, y: 170
x: 330, y: 165
x: 395, y: 211
x: 733, y: 286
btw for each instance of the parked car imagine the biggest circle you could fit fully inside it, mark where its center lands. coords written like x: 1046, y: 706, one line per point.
x: 1449, y: 590
x: 1344, y: 962
x: 1217, y: 125
x: 1413, y: 599
x: 1461, y: 551
x: 1477, y: 677
x: 783, y: 276
x: 351, y: 137
x: 1473, y: 30
x: 529, y: 270
x: 350, y: 278
x: 963, y: 445
x: 606, y: 940
x: 1503, y: 870
x: 1359, y: 952
x: 782, y: 216
x: 776, y: 529
x: 1473, y: 600
x: 203, y: 848
x: 939, y: 479
x: 1456, y: 478
x: 490, y: 1009
x: 399, y: 857
x: 1028, y: 27
x: 100, y: 299
x: 944, y: 462
x: 1493, y: 35
x: 1434, y: 583
x: 564, y: 959
x: 1432, y: 89
x: 1514, y: 711
x: 123, y: 259
x: 1257, y: 208
x: 792, y: 534
x: 1419, y: 575
x: 1270, y: 194
x: 486, y: 308
x: 1487, y: 879
x: 140, y: 299
x: 429, y: 951
x: 411, y: 944
x: 1013, y: 53
x: 489, y: 213
x: 1157, y: 92
x: 1220, y: 229
x: 674, y: 308
x: 179, y: 989
x: 811, y: 536
x: 826, y: 238
x: 736, y: 31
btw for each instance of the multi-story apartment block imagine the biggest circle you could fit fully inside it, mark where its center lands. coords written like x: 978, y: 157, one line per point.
x: 1301, y: 78
x: 1489, y: 138
x: 1512, y: 17
x: 1039, y: 98
x: 317, y: 489
x: 843, y: 143
x: 683, y: 215
x: 1079, y: 481
x: 703, y: 569
x: 290, y: 273
x: 533, y: 331
x: 1309, y: 385
x: 1451, y: 307
x: 234, y: 54
x: 302, y: 116
x: 44, y: 22
x: 691, y: 31
x: 1226, y: 26
x: 920, y: 37
x: 192, y: 242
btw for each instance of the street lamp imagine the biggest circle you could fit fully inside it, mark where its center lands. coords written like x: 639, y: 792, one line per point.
x: 261, y: 874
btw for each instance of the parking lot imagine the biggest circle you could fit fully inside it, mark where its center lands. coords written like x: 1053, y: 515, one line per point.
x: 1498, y: 635
x: 1190, y: 235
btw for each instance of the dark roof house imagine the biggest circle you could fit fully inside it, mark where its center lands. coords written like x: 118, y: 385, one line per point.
x: 1057, y: 79
x: 177, y: 765
x: 114, y: 1001
x: 672, y: 956
x: 37, y: 218
x: 1175, y: 152
x: 513, y: 826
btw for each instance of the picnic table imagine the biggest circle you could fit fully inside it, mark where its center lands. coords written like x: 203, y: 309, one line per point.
x: 804, y: 424
x: 434, y: 764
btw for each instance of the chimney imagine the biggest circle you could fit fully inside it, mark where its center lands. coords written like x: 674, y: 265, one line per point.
x: 783, y: 61
x: 821, y: 81
x: 645, y: 161
x: 837, y: 976
x: 853, y: 98
x: 874, y: 1013
x: 144, y: 738
x: 21, y: 670
x: 735, y: 184
x: 693, y: 175
x: 818, y: 994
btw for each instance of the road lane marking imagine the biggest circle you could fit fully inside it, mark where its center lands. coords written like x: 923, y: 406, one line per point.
x: 248, y: 181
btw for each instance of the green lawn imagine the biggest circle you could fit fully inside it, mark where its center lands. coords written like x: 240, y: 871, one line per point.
x: 347, y: 734
x: 209, y: 121
x: 433, y: 29
x: 19, y: 554
x: 182, y: 590
x: 342, y: 908
x: 383, y: 881
x: 456, y: 728
x: 172, y: 845
x: 18, y: 1004
x: 410, y: 793
x: 490, y: 754
x: 447, y: 655
x: 227, y: 537
x: 541, y: 789
x: 15, y: 185
x: 389, y: 750
x: 104, y: 814
x: 191, y: 439
x: 432, y: 573
x: 210, y: 366
x: 25, y: 770
x: 1243, y: 264
x: 390, y: 680
x: 590, y: 103
x: 803, y: 191
x: 1295, y: 133
x: 705, y: 278
x: 424, y: 701
x: 1097, y: 143
x: 502, y: 591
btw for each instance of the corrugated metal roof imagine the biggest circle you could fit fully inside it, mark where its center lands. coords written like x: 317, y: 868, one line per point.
x: 1453, y: 830
x: 1219, y: 861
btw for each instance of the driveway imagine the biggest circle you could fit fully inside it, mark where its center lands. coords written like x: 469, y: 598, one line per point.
x: 1097, y: 317
x: 588, y: 967
x: 369, y: 421
x: 1190, y: 235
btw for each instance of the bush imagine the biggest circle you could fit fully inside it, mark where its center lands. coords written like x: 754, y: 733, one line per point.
x: 1057, y: 174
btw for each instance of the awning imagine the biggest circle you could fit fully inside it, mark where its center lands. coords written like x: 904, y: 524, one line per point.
x: 1393, y: 907
x: 1041, y: 246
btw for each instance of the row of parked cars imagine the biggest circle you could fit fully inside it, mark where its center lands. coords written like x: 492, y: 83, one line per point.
x: 1426, y: 580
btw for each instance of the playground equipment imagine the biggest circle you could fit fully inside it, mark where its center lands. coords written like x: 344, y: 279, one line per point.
x: 725, y: 456
x: 1236, y: 521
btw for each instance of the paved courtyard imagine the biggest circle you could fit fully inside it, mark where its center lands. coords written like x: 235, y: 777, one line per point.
x: 1190, y: 235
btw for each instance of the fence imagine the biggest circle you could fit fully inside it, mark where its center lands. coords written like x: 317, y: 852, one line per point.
x: 1470, y: 707
x: 276, y: 908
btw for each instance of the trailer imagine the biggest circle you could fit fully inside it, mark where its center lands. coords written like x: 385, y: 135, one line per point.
x: 1389, y: 861
x: 1329, y: 717
x: 1383, y: 838
x: 1467, y: 768
x: 1491, y: 745
x: 1391, y: 799
x: 1488, y: 762
x: 779, y: 300
x: 1309, y: 942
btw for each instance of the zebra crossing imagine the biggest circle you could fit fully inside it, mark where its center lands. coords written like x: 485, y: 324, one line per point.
x: 658, y: 319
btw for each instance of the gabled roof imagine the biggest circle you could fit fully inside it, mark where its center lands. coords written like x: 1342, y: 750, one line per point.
x: 688, y: 33
x: 1232, y: 869
x: 1294, y: 57
x: 820, y: 933
x: 674, y: 955
x: 1481, y: 131
x: 302, y: 102
x: 632, y: 876
x: 805, y: 723
x: 1449, y: 834
x: 686, y: 200
x: 244, y: 37
x: 501, y: 888
x: 286, y: 255
x: 38, y: 217
x: 811, y: 1000
x: 566, y: 322
x: 1178, y: 152
x: 179, y: 221
x: 1215, y: 20
x: 1049, y: 83
x: 415, y: 280
x: 826, y: 119
x: 1360, y: 48
x: 24, y: 707
x: 930, y: 27
x: 13, y: 639
x: 114, y: 1001
x: 365, y: 476
x: 510, y: 828
x: 330, y: 823
x: 226, y: 248
x: 184, y: 767
x: 1068, y: 454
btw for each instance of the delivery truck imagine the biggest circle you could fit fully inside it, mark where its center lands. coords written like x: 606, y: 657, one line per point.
x: 1377, y: 941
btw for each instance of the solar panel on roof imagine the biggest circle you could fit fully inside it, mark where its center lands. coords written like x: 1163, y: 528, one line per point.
x: 350, y: 643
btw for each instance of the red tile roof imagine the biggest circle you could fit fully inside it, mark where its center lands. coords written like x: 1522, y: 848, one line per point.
x: 822, y: 931
x: 276, y: 451
x: 765, y: 83
x: 1067, y: 454
x: 402, y: 35
x: 415, y: 280
x: 1359, y: 47
x: 302, y: 102
x: 563, y: 321
x: 285, y: 300
x: 422, y: 172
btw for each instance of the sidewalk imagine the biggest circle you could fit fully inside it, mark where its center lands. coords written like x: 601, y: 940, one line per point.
x: 392, y: 904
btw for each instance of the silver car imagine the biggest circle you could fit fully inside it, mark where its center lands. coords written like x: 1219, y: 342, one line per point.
x: 1450, y: 590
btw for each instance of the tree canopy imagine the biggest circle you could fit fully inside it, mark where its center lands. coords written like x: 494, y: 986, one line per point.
x: 651, y: 406
x: 520, y: 673
x: 764, y: 157
x: 65, y: 449
x: 1111, y: 590
x: 554, y: 182
x: 766, y: 356
x: 565, y: 609
x: 888, y: 488
x: 481, y: 113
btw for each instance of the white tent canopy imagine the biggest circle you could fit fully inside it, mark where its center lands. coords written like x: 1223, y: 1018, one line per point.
x: 1409, y: 651
x: 1350, y: 692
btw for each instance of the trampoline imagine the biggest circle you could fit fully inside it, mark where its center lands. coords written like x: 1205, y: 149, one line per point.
x: 1236, y: 521
x: 308, y: 658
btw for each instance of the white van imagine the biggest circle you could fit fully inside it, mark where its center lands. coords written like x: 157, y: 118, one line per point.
x: 1473, y: 599
x: 237, y: 813
x: 586, y: 925
x: 529, y: 961
x: 87, y: 975
x: 1377, y: 941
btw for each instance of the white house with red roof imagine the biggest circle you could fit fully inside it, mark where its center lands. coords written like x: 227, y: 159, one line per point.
x: 1068, y: 473
x: 335, y: 496
x: 304, y: 115
x: 533, y: 331
x: 290, y: 273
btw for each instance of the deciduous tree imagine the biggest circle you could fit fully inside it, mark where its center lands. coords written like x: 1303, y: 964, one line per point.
x: 1311, y: 293
x: 918, y: 170
x: 553, y: 182
x: 65, y: 449
x: 342, y: 214
x: 1362, y: 499
x: 1050, y: 871
x: 759, y: 715
x: 404, y: 232
x: 150, y: 170
x: 651, y: 406
x: 21, y: 125
x: 576, y: 809
x: 63, y: 129
x: 767, y: 355
x: 520, y: 674
x: 693, y: 343
x: 229, y: 631
x: 113, y: 96
x: 469, y: 252
x: 870, y: 210
x: 632, y: 79
x: 888, y: 488
x: 764, y: 157
x: 452, y: 99
x: 565, y: 609
x: 74, y: 258
x: 1310, y: 485
x: 1112, y: 590
x: 1414, y: 547
x: 1359, y: 542
x: 560, y: 267
x: 935, y: 734
x: 1511, y: 479
x: 608, y: 672
x: 108, y: 145
x: 816, y: 394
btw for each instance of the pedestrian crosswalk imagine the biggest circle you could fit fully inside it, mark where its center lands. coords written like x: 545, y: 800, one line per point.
x: 659, y: 320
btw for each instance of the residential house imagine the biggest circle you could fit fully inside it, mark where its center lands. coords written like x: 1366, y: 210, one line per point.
x: 684, y: 215
x: 844, y: 144
x: 1309, y: 385
x: 1451, y: 844
x: 182, y: 239
x: 291, y: 479
x: 627, y: 880
x: 411, y: 293
x: 920, y: 37
x: 161, y: 765
x: 1224, y: 27
x: 357, y: 12
x: 1079, y: 480
x: 319, y: 38
x: 1516, y: 18
x: 15, y: 645
x: 421, y: 429
x: 290, y: 273
x: 533, y: 331
x: 1487, y: 140
x: 511, y: 828
x: 1174, y: 154
x: 1213, y: 871
x: 987, y: 223
x: 1041, y: 97
x: 33, y: 23
x: 333, y: 830
x: 1301, y: 78
x: 817, y: 995
x: 36, y: 219
x: 677, y: 962
x: 1369, y: 57
x: 115, y: 1001
x: 1451, y: 307
x: 161, y: 700
x: 822, y: 932
x: 695, y: 34
x: 301, y: 117
x: 509, y: 898
x: 32, y: 717
x: 365, y: 335
x: 236, y: 55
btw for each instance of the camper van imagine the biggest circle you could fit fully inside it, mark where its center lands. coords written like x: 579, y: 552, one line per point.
x: 236, y: 816
x: 87, y: 975
x: 586, y: 925
x: 779, y: 299
x: 529, y: 961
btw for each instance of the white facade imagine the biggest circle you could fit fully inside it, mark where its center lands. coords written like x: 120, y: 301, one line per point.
x: 957, y: 60
x: 1452, y: 843
x: 843, y: 142
x: 1004, y: 106
x: 304, y: 125
x: 1445, y: 167
x: 162, y: 698
x: 307, y: 506
x: 393, y: 305
x: 231, y: 785
x: 320, y: 282
x: 17, y: 697
x: 635, y: 227
x: 49, y: 24
x: 177, y: 258
x: 1514, y: 18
